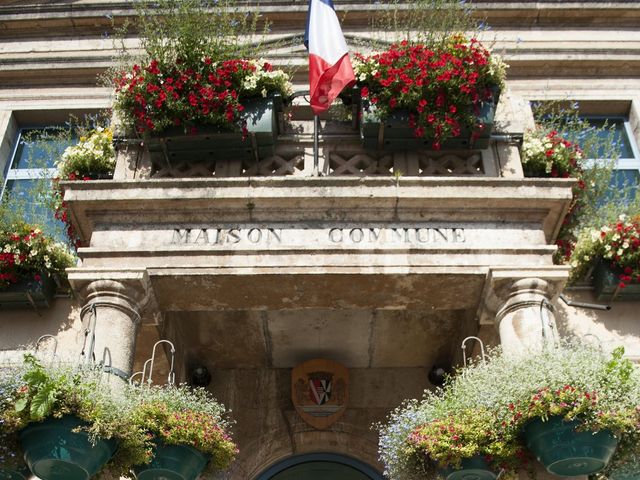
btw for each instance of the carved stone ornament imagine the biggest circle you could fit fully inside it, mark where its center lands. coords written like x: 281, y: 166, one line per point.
x: 320, y: 391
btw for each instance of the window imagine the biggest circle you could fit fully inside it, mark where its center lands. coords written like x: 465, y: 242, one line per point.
x: 29, y: 172
x: 627, y: 170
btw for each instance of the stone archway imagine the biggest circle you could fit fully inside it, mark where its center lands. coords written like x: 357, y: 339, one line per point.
x: 320, y: 466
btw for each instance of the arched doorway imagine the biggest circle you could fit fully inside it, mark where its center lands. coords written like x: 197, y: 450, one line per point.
x: 320, y: 466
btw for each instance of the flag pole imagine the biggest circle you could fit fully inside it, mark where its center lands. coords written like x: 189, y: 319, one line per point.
x: 316, y: 161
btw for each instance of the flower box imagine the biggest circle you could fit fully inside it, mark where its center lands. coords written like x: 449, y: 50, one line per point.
x: 209, y: 143
x: 29, y: 293
x: 174, y: 462
x: 566, y: 452
x: 395, y: 134
x: 54, y: 451
x: 475, y: 468
x: 606, y: 284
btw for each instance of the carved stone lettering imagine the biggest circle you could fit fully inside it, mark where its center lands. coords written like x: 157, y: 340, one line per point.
x: 348, y: 236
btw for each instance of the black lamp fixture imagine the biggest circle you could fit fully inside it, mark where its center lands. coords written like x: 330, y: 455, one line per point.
x: 438, y: 375
x: 200, y: 376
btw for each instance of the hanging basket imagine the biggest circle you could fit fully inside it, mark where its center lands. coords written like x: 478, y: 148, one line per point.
x: 210, y: 143
x: 606, y: 284
x: 29, y: 293
x: 53, y: 451
x: 566, y: 452
x: 474, y: 468
x: 173, y: 462
x: 394, y: 134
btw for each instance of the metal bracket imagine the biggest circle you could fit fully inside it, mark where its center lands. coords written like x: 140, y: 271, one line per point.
x: 464, y: 350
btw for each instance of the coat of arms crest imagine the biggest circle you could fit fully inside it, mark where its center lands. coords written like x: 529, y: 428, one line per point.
x: 319, y: 391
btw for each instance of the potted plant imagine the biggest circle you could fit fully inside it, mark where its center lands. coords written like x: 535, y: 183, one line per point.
x: 463, y: 443
x: 203, y: 109
x: 611, y: 256
x: 28, y: 262
x: 187, y: 431
x: 548, y: 154
x: 573, y: 403
x: 449, y: 433
x: 196, y: 92
x: 66, y: 420
x: 429, y: 96
x: 93, y: 157
x: 587, y: 398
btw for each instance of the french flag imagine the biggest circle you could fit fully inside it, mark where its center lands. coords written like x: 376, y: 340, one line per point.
x: 330, y: 69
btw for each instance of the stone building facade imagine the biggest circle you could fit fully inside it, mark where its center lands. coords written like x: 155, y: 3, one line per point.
x: 251, y: 269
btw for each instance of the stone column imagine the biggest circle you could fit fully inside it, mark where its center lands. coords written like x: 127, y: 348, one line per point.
x: 112, y: 304
x: 526, y: 320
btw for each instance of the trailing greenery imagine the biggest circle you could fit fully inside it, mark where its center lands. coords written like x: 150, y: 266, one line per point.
x: 136, y: 417
x: 39, y: 201
x: 58, y: 390
x: 499, y: 397
x: 93, y: 155
x: 187, y: 31
x: 197, y: 65
x: 180, y: 415
x: 27, y: 254
x: 599, y: 197
x: 616, y: 244
x: 427, y: 22
x: 442, y: 88
x: 31, y: 201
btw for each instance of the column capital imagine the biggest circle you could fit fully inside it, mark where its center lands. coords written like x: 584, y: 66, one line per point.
x: 525, y: 284
x: 526, y: 292
x: 124, y: 289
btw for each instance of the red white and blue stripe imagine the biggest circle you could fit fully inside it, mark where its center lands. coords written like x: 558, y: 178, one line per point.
x: 330, y: 68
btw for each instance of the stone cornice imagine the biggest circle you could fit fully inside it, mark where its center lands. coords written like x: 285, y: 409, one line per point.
x: 18, y: 19
x: 309, y: 198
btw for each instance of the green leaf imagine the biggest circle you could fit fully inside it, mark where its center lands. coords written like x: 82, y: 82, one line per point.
x: 21, y: 404
x: 42, y: 402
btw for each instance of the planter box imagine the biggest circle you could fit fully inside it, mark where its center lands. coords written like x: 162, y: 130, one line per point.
x: 395, y: 135
x: 566, y: 452
x: 210, y: 143
x: 173, y: 462
x: 475, y: 468
x: 29, y: 294
x: 53, y: 451
x: 606, y: 285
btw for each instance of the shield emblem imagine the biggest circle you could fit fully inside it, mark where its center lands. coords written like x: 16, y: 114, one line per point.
x: 319, y: 391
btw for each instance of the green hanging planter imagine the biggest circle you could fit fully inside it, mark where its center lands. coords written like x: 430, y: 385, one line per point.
x: 173, y: 462
x: 474, y: 468
x: 566, y: 452
x: 54, y: 452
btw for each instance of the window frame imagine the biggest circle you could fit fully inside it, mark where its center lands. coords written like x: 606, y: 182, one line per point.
x: 622, y: 163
